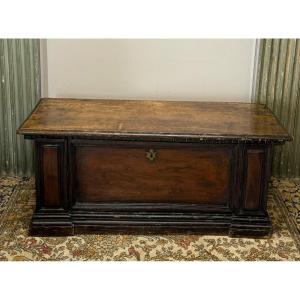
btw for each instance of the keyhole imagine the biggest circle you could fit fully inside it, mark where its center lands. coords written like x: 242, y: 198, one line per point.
x: 151, y: 155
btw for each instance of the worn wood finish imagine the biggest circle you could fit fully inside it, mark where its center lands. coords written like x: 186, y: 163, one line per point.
x: 127, y: 173
x: 100, y: 118
x: 128, y: 166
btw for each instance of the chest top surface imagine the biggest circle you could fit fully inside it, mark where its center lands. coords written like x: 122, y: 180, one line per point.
x: 95, y: 117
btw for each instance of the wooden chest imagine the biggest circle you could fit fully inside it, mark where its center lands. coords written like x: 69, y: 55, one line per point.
x: 125, y: 165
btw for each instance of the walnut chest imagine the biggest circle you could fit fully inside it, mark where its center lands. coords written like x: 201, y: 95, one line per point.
x: 133, y: 165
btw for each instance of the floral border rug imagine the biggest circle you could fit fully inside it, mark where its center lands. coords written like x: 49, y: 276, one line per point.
x: 7, y: 187
x: 17, y: 203
x: 287, y: 191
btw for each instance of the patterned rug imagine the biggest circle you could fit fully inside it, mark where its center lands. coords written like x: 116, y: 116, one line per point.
x: 17, y: 204
x: 7, y: 186
x: 287, y: 191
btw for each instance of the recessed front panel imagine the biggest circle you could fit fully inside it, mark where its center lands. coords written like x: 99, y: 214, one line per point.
x: 152, y: 173
x: 51, y: 175
x: 254, y: 177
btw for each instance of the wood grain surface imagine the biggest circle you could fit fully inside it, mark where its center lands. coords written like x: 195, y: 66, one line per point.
x: 98, y: 118
x: 107, y: 173
x: 51, y: 176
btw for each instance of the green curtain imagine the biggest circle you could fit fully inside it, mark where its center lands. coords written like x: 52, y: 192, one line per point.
x: 277, y: 86
x: 19, y: 92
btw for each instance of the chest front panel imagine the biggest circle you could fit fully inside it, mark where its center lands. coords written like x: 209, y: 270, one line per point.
x: 150, y: 172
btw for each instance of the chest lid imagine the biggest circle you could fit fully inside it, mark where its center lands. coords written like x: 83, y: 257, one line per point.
x: 151, y: 120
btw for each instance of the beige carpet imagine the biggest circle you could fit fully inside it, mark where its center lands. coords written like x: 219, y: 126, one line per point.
x: 17, y: 203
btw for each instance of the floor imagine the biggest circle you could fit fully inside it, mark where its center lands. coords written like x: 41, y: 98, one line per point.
x: 17, y: 198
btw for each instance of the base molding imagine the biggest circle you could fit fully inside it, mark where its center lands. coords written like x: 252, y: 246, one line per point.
x: 152, y: 223
x: 250, y: 226
x: 59, y: 224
